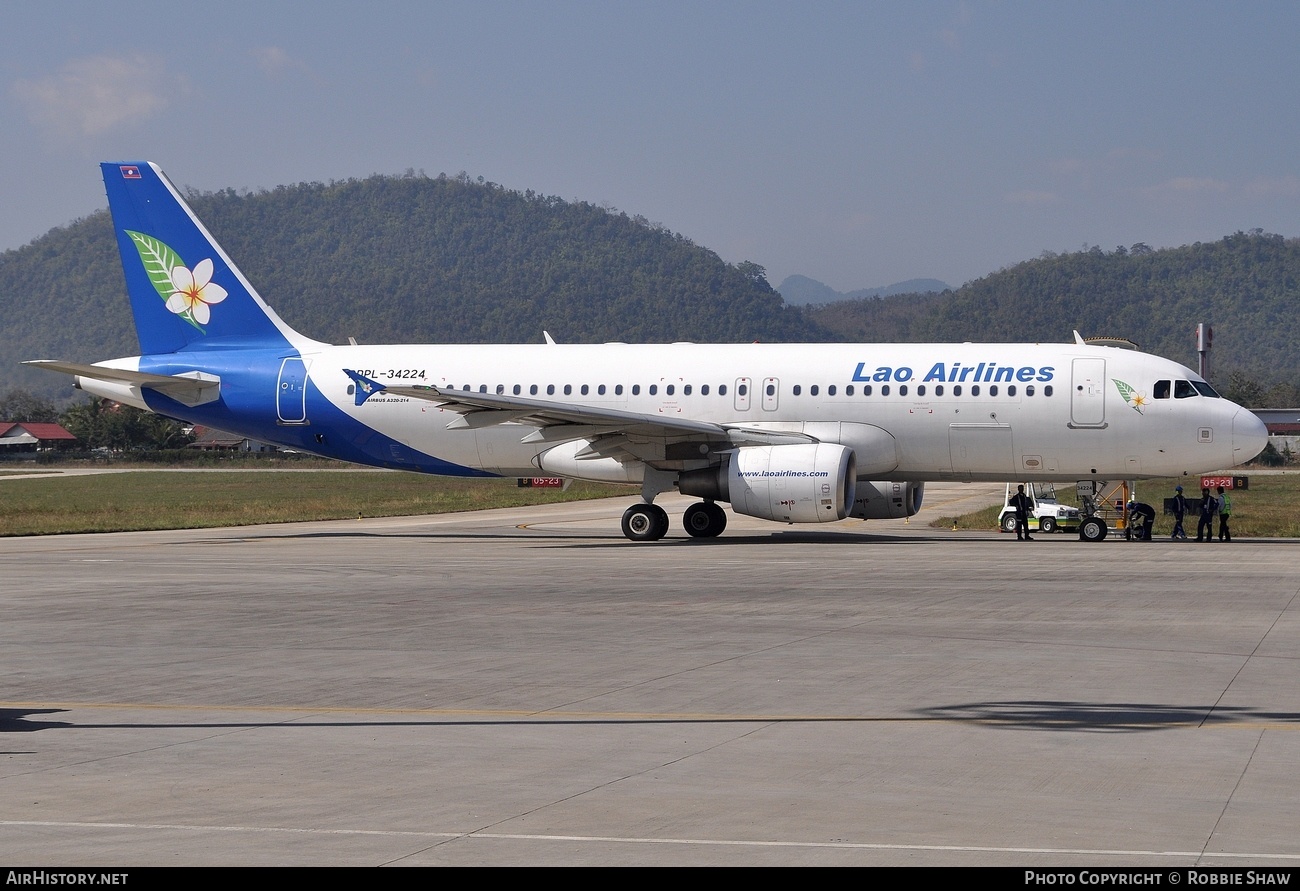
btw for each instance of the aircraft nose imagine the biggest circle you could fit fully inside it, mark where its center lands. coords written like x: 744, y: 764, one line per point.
x: 1249, y: 436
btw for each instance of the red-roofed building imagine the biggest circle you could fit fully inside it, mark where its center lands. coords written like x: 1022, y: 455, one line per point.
x: 29, y: 436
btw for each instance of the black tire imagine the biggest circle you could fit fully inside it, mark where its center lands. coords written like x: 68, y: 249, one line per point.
x: 1009, y: 523
x: 645, y: 522
x: 1093, y: 529
x: 704, y: 520
x: 1047, y: 525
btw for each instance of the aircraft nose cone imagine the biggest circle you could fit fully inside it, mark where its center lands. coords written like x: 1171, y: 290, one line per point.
x: 1249, y: 436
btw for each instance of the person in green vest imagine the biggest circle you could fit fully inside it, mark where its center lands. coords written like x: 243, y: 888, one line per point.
x: 1225, y: 508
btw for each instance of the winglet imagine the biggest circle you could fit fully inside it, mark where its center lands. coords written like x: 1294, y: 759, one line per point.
x: 365, y: 387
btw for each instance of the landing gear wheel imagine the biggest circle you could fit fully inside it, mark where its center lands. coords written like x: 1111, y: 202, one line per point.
x: 1093, y: 529
x: 1047, y: 525
x: 645, y: 522
x: 1009, y: 523
x: 704, y: 520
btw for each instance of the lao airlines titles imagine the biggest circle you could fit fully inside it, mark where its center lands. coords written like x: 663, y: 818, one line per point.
x: 957, y: 373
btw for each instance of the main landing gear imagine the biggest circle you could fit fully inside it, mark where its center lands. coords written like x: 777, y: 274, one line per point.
x: 645, y: 522
x: 649, y: 522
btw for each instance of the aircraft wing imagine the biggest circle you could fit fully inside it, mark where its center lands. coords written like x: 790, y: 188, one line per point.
x: 563, y: 421
x: 191, y: 388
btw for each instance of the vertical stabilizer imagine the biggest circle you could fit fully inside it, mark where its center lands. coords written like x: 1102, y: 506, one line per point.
x: 185, y: 292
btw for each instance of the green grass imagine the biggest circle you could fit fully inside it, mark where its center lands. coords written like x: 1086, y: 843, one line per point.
x: 1270, y: 508
x: 140, y: 500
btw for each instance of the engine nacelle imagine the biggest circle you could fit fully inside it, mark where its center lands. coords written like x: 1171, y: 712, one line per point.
x: 804, y: 483
x: 883, y: 500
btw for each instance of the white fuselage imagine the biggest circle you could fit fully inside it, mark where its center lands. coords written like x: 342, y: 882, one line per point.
x: 955, y: 411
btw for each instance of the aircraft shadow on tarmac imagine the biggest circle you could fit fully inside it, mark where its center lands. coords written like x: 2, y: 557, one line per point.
x: 16, y: 720
x: 1037, y: 715
x: 584, y: 540
x: 1095, y: 717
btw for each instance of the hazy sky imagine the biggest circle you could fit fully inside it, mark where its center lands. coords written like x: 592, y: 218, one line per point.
x: 857, y: 143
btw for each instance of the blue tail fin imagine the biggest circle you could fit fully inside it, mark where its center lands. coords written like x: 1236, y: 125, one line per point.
x: 185, y: 292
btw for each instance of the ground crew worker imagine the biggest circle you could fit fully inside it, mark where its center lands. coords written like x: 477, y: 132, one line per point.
x: 1180, y: 509
x: 1225, y: 508
x: 1141, y: 517
x: 1021, y: 503
x: 1209, y: 506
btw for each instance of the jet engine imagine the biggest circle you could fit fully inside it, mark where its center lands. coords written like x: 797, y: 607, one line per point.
x: 884, y: 500
x: 801, y: 483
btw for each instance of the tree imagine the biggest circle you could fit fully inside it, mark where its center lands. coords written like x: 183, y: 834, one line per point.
x: 22, y: 405
x: 102, y: 424
x: 1243, y: 390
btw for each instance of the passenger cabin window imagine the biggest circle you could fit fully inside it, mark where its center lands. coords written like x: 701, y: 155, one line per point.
x: 722, y: 390
x: 1161, y: 390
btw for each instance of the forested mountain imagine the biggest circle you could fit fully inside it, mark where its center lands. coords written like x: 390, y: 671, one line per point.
x: 800, y: 290
x: 1246, y: 286
x: 401, y: 260
x: 445, y: 259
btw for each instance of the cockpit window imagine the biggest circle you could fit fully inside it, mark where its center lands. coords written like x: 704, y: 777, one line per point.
x: 1183, y: 389
x: 1205, y: 389
x: 1161, y: 390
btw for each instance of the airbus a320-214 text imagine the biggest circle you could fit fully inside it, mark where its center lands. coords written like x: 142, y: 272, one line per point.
x: 793, y: 433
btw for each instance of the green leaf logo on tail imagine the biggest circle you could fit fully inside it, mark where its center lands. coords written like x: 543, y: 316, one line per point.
x: 1134, y: 399
x: 187, y: 292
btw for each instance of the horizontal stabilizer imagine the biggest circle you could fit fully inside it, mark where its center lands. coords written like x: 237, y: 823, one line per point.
x: 189, y: 388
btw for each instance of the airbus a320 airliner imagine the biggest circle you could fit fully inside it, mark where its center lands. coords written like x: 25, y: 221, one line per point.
x: 794, y: 433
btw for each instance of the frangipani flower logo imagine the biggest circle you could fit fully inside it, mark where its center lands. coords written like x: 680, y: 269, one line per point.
x: 1134, y: 399
x: 187, y: 292
x: 195, y: 292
